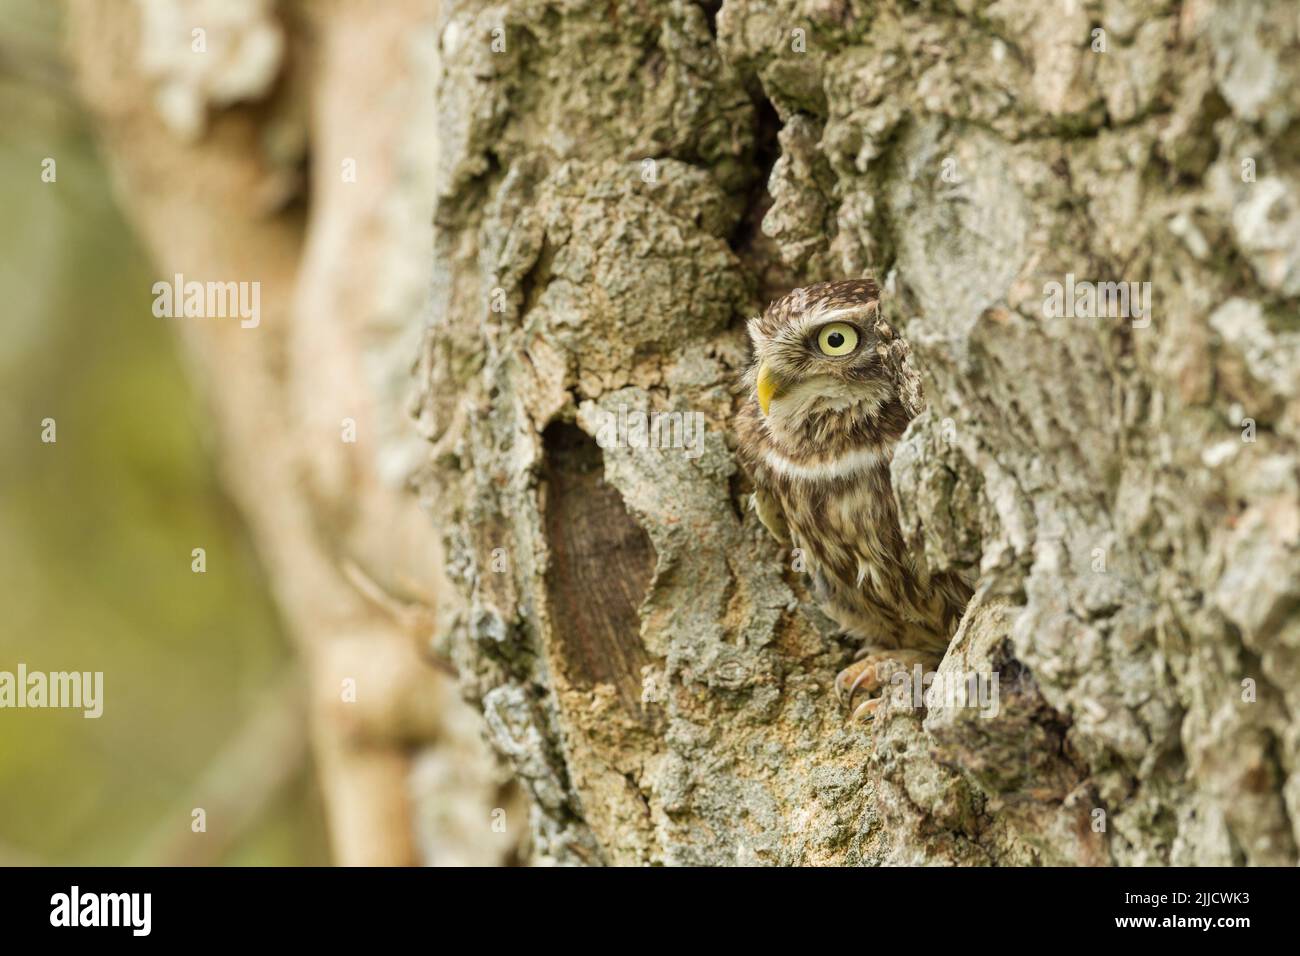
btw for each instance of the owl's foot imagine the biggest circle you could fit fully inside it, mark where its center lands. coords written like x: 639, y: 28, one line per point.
x: 873, y: 671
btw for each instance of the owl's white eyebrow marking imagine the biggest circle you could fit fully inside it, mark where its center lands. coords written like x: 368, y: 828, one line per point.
x: 858, y: 460
x: 822, y: 317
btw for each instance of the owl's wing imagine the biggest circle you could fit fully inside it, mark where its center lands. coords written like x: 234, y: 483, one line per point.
x: 769, y: 512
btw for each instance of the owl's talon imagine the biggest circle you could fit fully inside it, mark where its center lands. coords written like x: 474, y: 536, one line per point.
x: 843, y: 680
x: 866, y: 710
x: 871, y: 672
x: 866, y: 678
x: 861, y: 673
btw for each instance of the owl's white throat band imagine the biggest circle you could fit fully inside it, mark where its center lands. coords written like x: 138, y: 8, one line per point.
x: 845, y: 466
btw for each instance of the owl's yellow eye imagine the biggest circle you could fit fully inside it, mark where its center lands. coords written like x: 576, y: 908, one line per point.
x: 837, y: 338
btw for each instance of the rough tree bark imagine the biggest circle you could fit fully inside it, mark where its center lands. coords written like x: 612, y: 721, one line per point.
x: 620, y: 185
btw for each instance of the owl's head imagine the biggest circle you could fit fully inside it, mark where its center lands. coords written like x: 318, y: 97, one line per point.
x: 817, y: 353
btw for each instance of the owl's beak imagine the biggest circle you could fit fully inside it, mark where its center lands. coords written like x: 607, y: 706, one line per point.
x: 768, y: 386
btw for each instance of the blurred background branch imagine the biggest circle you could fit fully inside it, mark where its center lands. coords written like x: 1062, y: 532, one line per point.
x: 229, y: 166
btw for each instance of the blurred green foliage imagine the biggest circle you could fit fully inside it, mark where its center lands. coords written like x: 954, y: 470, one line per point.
x: 96, y: 530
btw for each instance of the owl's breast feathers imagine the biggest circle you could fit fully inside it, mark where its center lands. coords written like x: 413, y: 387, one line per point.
x: 833, y: 489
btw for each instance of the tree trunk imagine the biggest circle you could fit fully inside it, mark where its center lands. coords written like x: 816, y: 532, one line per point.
x: 620, y: 187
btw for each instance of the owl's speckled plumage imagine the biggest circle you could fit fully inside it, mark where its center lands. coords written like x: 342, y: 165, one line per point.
x: 819, y: 458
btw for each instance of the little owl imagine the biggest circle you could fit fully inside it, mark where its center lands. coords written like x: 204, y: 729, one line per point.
x: 817, y: 434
